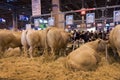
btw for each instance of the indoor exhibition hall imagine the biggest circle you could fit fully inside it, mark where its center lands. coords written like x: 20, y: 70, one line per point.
x: 59, y: 39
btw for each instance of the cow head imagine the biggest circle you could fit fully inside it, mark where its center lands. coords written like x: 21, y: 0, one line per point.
x: 69, y: 36
x: 102, y: 44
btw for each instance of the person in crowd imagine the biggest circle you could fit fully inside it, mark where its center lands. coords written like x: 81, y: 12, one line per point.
x: 76, y: 37
x: 100, y: 34
x: 81, y: 37
x: 81, y: 41
x: 86, y: 36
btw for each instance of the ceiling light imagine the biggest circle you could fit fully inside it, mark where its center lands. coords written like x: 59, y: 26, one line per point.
x: 11, y: 1
x: 9, y: 9
x: 23, y: 7
x: 108, y: 0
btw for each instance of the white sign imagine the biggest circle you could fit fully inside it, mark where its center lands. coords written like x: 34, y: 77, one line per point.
x: 28, y: 26
x: 116, y: 16
x: 88, y: 25
x: 112, y: 24
x: 51, y: 21
x: 91, y: 29
x: 69, y: 19
x: 78, y: 26
x: 99, y: 24
x: 36, y: 7
x: 90, y: 17
x: 36, y: 22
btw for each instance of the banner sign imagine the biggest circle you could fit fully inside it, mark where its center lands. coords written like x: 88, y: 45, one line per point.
x: 36, y: 7
x: 51, y: 21
x: 69, y: 19
x: 116, y: 16
x: 90, y: 17
x: 99, y: 24
x: 78, y: 26
x: 36, y: 22
x: 28, y: 26
x: 88, y: 25
x: 112, y: 24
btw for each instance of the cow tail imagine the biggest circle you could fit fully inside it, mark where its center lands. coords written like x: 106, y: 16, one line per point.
x: 26, y: 35
x: 46, y: 43
x: 24, y: 40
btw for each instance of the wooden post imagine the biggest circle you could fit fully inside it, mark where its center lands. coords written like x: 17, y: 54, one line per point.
x: 14, y: 21
x: 58, y: 17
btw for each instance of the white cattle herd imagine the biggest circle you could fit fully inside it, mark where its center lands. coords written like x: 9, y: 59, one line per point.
x: 54, y: 40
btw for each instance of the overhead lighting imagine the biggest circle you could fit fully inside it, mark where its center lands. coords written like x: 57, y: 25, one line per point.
x: 9, y: 9
x: 49, y: 9
x: 23, y: 12
x: 2, y: 20
x: 66, y: 6
x: 23, y: 7
x: 11, y: 0
x: 45, y: 21
x: 108, y: 0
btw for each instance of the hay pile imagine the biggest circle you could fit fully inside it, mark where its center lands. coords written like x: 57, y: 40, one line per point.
x: 14, y: 67
x: 21, y: 68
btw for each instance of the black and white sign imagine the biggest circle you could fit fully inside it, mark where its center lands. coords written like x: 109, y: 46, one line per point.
x: 69, y: 19
x: 51, y: 21
x: 116, y: 16
x: 90, y: 17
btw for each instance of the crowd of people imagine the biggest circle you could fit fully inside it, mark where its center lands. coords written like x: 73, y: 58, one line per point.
x: 80, y: 37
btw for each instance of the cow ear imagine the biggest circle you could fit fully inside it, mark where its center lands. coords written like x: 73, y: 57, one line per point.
x: 99, y: 40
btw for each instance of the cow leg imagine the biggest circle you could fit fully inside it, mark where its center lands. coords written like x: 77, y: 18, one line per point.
x: 1, y: 51
x: 30, y: 52
x: 118, y: 55
x: 20, y: 49
x: 52, y: 51
x: 64, y: 52
x: 58, y: 52
x: 114, y: 51
x: 45, y: 52
x: 118, y: 51
x: 25, y: 50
